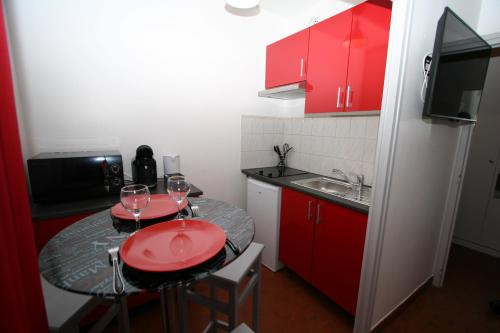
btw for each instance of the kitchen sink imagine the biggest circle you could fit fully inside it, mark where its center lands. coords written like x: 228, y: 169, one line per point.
x: 325, y: 185
x: 337, y: 188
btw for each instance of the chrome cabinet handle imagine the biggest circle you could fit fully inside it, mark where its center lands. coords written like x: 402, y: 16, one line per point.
x: 301, y: 67
x: 348, y: 103
x: 339, y: 105
x: 318, y: 218
x: 309, y: 204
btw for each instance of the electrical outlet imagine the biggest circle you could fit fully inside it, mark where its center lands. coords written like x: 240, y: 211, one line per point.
x: 314, y: 20
x: 427, y: 63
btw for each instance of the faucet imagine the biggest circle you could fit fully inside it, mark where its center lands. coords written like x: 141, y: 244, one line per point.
x: 356, y: 185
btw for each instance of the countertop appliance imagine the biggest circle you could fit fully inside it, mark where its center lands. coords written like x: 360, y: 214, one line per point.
x: 57, y: 177
x: 171, y: 164
x: 458, y: 70
x: 276, y: 172
x: 144, y: 166
x: 263, y: 205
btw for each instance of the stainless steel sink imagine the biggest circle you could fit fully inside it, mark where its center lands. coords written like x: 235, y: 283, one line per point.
x: 325, y: 185
x: 337, y: 188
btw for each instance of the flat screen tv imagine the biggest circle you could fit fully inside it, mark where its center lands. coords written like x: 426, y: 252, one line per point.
x: 458, y: 70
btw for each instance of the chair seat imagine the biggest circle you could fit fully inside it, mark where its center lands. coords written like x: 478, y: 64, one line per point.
x: 243, y: 328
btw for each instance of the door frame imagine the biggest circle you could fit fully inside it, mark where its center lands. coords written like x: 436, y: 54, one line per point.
x: 397, y: 55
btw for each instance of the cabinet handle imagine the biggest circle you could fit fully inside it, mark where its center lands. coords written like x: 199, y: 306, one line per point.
x: 301, y: 67
x: 497, y: 188
x: 318, y: 218
x: 348, y: 103
x: 339, y: 105
x: 309, y: 204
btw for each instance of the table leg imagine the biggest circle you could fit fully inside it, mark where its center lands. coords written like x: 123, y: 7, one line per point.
x: 168, y: 310
x: 123, y: 320
x: 164, y: 310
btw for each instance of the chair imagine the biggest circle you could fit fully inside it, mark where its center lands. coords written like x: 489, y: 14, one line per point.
x: 242, y: 329
x: 230, y: 279
x: 65, y: 310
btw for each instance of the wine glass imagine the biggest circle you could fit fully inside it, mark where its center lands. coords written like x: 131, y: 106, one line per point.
x: 135, y: 198
x: 178, y: 189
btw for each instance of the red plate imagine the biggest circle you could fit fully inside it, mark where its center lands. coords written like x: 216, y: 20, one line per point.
x: 160, y: 205
x: 167, y: 246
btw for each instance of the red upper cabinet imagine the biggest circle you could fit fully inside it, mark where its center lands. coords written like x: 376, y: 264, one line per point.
x: 286, y: 60
x: 367, y: 55
x: 297, y: 231
x: 327, y: 64
x: 338, y: 253
x: 346, y: 62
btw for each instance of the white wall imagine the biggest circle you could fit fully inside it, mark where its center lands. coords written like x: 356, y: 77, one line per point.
x: 300, y: 14
x: 117, y: 74
x: 424, y: 154
x: 489, y: 22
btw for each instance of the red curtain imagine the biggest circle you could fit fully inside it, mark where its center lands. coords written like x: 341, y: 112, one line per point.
x: 21, y: 301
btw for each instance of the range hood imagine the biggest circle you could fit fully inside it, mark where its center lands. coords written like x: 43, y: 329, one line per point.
x: 289, y: 91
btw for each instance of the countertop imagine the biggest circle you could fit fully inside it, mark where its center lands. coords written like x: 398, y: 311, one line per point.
x: 287, y: 182
x: 44, y: 211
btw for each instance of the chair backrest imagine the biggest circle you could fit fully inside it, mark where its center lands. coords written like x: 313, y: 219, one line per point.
x: 236, y: 271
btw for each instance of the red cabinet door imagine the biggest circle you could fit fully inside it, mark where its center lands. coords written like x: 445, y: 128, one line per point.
x: 338, y: 253
x: 297, y: 231
x: 367, y: 55
x: 327, y: 64
x: 286, y: 60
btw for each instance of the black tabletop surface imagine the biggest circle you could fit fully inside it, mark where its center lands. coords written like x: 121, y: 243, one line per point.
x: 76, y: 259
x: 44, y: 211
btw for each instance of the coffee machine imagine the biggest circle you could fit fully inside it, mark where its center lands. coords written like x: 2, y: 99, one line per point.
x: 144, y: 167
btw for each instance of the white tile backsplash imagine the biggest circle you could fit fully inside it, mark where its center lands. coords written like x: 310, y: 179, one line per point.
x: 329, y: 127
x: 369, y: 150
x: 317, y: 127
x: 307, y: 126
x: 372, y: 127
x: 358, y: 127
x: 297, y: 126
x: 288, y: 126
x: 343, y: 127
x: 320, y: 144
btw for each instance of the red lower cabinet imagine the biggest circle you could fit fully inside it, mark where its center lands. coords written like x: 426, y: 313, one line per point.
x: 323, y: 243
x: 338, y: 253
x: 297, y: 231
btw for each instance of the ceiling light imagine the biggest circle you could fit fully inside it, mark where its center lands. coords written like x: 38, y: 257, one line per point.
x: 242, y: 4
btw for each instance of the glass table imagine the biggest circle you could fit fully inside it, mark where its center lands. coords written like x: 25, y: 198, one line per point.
x: 77, y: 260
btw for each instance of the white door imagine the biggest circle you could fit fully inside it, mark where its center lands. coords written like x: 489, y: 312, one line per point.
x: 475, y: 223
x: 491, y: 236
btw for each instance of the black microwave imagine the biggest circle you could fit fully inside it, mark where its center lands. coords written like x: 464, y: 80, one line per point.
x: 56, y: 177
